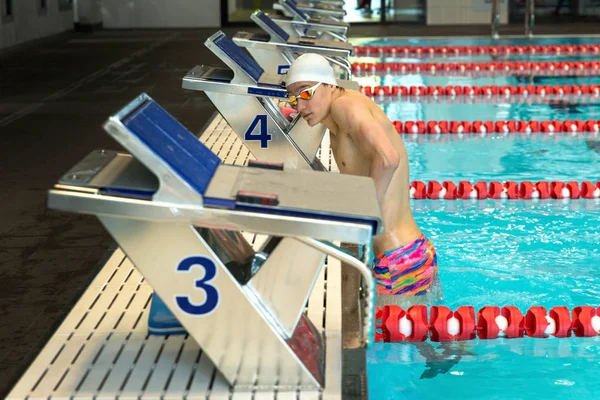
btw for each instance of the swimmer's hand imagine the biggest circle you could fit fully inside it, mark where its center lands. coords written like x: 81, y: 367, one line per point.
x: 289, y: 113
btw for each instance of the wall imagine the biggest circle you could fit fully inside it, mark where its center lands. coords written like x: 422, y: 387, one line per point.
x: 161, y: 13
x: 441, y: 12
x: 28, y: 23
x: 232, y: 6
x: 590, y: 8
x: 88, y: 12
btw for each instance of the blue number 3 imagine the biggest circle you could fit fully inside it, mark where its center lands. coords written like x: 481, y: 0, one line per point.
x: 212, y: 294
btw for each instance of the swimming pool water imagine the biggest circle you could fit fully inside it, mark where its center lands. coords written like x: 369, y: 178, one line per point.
x: 478, y: 41
x: 512, y: 252
x: 472, y: 80
x: 459, y: 110
x: 467, y: 109
x: 451, y: 58
x: 513, y: 157
x: 502, y: 253
x: 519, y: 369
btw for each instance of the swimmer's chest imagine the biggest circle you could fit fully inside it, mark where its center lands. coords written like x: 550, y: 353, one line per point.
x: 348, y: 156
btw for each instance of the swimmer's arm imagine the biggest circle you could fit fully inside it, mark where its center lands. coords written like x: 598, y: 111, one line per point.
x: 372, y: 141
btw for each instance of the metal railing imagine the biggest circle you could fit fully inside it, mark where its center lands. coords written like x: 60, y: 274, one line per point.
x: 495, y: 18
x: 529, y: 18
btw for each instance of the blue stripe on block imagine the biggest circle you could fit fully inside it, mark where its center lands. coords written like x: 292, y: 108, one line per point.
x: 283, y: 35
x: 240, y: 57
x: 172, y: 142
x: 294, y: 6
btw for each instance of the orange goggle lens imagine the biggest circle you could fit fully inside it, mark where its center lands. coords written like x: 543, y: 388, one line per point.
x: 306, y: 94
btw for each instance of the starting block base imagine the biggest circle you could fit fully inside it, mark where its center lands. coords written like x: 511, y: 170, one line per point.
x: 103, y: 351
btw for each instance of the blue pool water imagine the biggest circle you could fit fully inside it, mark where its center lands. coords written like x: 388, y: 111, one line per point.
x: 520, y: 253
x: 502, y: 158
x: 502, y: 253
x: 404, y: 110
x: 480, y: 41
x: 477, y: 42
x: 467, y: 80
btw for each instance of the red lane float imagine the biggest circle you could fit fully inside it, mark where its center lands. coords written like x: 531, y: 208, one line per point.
x: 436, y: 51
x: 394, y: 324
x: 575, y: 68
x: 506, y: 127
x: 492, y: 91
x: 509, y: 190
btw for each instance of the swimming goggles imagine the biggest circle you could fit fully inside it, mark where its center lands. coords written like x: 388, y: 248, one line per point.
x: 306, y: 94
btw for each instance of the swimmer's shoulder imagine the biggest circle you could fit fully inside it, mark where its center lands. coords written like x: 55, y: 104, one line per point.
x: 349, y: 102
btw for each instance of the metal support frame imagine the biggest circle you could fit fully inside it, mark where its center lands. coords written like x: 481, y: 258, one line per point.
x: 102, y: 349
x: 303, y: 24
x: 169, y: 236
x: 256, y: 118
x: 315, y: 28
x: 318, y: 9
x: 276, y: 58
x: 335, y: 3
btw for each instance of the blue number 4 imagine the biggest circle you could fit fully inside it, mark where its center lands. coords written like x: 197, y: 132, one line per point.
x: 263, y: 135
x: 211, y: 293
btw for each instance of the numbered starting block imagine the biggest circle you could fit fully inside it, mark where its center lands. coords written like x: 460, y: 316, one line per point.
x: 303, y: 25
x: 276, y: 50
x: 178, y: 214
x: 322, y: 9
x: 244, y: 94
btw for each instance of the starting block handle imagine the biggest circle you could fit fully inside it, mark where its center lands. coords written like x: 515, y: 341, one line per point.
x: 345, y: 66
x: 340, y: 254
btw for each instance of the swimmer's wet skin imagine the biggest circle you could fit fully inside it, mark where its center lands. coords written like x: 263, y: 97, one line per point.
x: 364, y: 142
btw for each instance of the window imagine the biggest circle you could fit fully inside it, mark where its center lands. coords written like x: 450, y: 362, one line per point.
x: 64, y: 5
x: 7, y: 10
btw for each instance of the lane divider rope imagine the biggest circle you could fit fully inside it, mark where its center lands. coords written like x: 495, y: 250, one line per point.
x: 393, y: 324
x: 572, y: 68
x: 506, y: 127
x: 423, y: 51
x: 508, y: 190
x: 500, y: 91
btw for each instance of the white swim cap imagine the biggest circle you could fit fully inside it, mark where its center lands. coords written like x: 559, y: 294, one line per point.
x: 310, y: 67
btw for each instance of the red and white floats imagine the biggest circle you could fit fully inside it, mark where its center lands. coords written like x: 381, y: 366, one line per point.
x: 394, y: 324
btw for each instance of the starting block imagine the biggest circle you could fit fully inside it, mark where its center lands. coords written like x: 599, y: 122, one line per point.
x: 276, y: 50
x: 244, y: 95
x: 324, y: 9
x: 171, y: 206
x: 302, y: 25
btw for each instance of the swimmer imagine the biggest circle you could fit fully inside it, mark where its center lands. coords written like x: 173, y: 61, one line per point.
x: 365, y: 143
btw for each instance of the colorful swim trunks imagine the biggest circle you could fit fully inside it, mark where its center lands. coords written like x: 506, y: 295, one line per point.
x: 408, y: 270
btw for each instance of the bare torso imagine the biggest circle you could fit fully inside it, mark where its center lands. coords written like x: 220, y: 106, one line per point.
x: 400, y: 226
